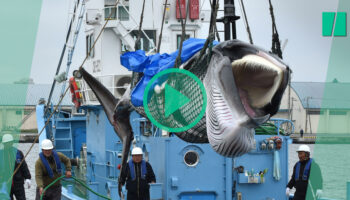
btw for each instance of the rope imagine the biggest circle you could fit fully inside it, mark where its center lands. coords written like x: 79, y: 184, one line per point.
x: 276, y: 45
x: 161, y: 29
x: 212, y: 16
x: 153, y: 15
x: 140, y: 27
x: 210, y: 36
x: 37, y: 137
x: 215, y: 27
x: 62, y: 96
x: 217, y: 33
x: 104, y: 26
x: 77, y: 180
x: 71, y: 50
x: 246, y: 22
x: 178, y: 58
x: 62, y: 55
x: 137, y: 75
x: 268, y: 129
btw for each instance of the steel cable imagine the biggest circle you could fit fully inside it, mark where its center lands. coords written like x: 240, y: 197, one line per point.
x: 60, y: 101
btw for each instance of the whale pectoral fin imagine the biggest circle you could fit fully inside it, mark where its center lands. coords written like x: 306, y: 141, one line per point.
x: 118, y: 114
x: 125, y: 152
x: 104, y: 96
x: 123, y: 128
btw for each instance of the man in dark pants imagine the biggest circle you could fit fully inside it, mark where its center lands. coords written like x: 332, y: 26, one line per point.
x: 301, y: 177
x: 12, y: 157
x: 138, y: 174
x: 47, y: 169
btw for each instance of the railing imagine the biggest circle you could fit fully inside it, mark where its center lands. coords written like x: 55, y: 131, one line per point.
x: 117, y: 14
x: 286, y: 125
x: 109, y: 81
x: 128, y: 17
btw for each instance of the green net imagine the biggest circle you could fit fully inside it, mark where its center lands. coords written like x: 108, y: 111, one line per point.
x: 197, y: 65
x: 186, y: 114
x: 268, y: 129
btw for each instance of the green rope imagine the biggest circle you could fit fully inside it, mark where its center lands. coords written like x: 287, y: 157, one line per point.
x: 77, y: 180
x: 268, y: 129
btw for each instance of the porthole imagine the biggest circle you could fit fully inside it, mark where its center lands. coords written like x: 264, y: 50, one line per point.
x: 191, y: 158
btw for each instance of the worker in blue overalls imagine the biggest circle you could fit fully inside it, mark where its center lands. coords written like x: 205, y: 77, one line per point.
x: 48, y: 168
x: 301, y: 177
x: 138, y: 174
x: 11, y: 158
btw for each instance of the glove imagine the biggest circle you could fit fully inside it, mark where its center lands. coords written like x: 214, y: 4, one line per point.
x: 287, y: 191
x: 28, y: 182
x: 318, y: 193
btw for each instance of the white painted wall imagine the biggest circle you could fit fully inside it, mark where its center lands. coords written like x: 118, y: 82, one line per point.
x: 324, y: 123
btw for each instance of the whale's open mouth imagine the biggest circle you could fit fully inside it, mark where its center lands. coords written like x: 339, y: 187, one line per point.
x: 244, y: 86
x: 257, y: 78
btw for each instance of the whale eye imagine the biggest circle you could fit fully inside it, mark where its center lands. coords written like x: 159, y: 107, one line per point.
x: 191, y: 158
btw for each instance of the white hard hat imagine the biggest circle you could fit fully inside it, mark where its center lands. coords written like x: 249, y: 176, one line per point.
x: 136, y: 151
x: 304, y: 148
x: 46, y: 144
x: 7, y: 138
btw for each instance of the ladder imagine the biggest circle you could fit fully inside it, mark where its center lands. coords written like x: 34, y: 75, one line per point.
x: 63, y: 136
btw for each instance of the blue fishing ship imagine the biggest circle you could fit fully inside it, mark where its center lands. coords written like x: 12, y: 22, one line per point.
x: 185, y: 168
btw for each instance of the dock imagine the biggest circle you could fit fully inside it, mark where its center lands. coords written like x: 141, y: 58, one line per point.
x: 321, y: 138
x: 27, y: 137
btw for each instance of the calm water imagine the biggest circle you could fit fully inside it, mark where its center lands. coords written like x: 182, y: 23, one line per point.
x: 334, y: 161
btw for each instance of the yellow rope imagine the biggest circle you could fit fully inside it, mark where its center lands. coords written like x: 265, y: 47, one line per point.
x: 37, y: 137
x: 93, y: 45
x: 48, y: 119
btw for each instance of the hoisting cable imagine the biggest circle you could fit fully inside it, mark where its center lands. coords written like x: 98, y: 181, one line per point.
x: 183, y: 30
x: 137, y: 46
x: 137, y: 75
x: 77, y: 180
x: 62, y: 55
x: 99, y: 35
x: 245, y: 19
x: 276, y: 45
x: 72, y: 48
x: 210, y: 38
x: 212, y: 17
x: 64, y: 94
x: 161, y: 29
x: 217, y: 33
x: 215, y: 27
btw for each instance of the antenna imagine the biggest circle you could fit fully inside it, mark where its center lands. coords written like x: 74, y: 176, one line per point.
x: 229, y: 19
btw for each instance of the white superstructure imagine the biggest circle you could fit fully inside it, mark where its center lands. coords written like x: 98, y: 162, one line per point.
x: 121, y: 32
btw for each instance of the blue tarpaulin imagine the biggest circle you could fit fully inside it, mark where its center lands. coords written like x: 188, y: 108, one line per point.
x: 150, y: 65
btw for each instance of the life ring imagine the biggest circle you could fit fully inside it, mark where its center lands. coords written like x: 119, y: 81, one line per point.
x: 75, y: 91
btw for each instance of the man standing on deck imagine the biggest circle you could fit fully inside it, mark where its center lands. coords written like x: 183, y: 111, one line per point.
x: 47, y: 169
x: 301, y: 176
x: 11, y: 158
x: 138, y: 174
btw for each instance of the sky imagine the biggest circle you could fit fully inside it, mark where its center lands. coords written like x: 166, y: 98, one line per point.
x: 298, y: 22
x: 53, y: 25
